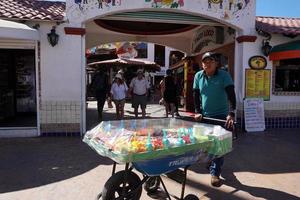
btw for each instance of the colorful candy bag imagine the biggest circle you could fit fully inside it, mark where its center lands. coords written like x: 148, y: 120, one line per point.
x: 133, y: 140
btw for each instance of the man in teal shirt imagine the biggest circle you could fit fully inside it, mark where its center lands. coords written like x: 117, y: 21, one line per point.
x: 214, y: 97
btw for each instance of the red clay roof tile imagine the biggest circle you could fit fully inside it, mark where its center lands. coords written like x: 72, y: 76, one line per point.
x: 279, y: 25
x: 46, y: 10
x: 32, y: 10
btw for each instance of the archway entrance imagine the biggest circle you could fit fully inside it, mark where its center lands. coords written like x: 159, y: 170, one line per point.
x: 191, y: 37
x: 196, y: 26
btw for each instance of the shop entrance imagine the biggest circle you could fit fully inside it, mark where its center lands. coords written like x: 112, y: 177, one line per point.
x: 18, y: 107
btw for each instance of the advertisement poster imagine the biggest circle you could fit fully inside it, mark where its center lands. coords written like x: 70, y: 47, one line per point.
x: 254, y: 114
x: 258, y: 84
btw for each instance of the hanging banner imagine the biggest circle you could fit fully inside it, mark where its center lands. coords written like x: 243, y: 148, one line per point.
x: 258, y: 84
x: 254, y: 114
x: 206, y: 35
x: 127, y: 51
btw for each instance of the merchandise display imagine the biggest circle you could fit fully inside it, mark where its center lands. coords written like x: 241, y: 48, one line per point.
x: 139, y: 140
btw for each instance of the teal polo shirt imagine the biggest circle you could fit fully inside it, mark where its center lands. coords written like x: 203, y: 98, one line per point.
x: 212, y: 92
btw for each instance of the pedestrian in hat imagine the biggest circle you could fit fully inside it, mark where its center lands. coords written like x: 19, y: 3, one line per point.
x: 118, y: 92
x: 214, y: 97
x: 139, y: 87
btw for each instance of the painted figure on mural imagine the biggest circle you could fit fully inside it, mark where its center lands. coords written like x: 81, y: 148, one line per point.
x: 209, y: 4
x: 231, y: 2
x: 221, y: 4
x: 78, y: 2
x: 100, y: 5
x: 166, y: 3
x: 108, y: 2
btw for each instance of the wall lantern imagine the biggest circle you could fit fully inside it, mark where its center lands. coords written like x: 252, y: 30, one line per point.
x: 53, y: 37
x: 266, y: 47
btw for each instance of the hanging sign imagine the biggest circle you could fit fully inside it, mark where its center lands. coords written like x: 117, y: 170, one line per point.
x: 206, y: 35
x: 254, y: 114
x: 257, y: 62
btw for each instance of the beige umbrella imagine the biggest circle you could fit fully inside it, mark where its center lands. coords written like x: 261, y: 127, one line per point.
x: 122, y: 62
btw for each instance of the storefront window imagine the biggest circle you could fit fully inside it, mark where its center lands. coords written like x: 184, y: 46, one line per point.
x: 287, y: 76
x: 159, y: 54
x: 142, y: 49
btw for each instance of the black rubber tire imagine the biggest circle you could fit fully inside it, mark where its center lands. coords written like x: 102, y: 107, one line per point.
x: 191, y: 197
x: 152, y: 184
x: 114, y: 186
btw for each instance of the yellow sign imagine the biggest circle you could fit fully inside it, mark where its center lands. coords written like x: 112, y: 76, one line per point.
x: 257, y: 62
x: 258, y: 84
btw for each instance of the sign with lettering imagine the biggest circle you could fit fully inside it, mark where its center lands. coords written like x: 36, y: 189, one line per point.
x: 254, y: 115
x: 258, y: 83
x: 257, y: 62
x: 206, y: 35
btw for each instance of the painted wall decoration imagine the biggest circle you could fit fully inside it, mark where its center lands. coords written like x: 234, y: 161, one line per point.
x: 235, y: 12
x: 127, y: 51
x: 166, y: 3
x: 80, y: 8
x: 227, y: 9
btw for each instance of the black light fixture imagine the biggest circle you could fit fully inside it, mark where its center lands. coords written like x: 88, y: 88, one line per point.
x: 266, y: 47
x: 53, y: 37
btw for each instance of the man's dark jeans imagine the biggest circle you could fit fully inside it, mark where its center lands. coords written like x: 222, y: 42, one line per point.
x: 215, y: 167
x: 100, y: 105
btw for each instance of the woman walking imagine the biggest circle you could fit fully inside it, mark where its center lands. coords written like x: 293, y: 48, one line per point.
x: 118, y: 92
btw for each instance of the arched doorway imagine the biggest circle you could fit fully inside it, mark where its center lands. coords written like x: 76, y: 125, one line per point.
x: 186, y: 26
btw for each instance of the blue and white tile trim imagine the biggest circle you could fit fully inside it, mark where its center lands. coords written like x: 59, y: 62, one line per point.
x: 60, y: 117
x: 278, y: 114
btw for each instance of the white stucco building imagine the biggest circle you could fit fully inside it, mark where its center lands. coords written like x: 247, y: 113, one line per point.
x: 45, y: 84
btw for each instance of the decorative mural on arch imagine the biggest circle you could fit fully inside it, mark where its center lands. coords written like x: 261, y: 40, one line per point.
x: 166, y: 3
x: 229, y: 10
x: 100, y: 4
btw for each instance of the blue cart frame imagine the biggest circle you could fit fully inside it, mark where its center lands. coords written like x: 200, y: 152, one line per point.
x: 164, y: 165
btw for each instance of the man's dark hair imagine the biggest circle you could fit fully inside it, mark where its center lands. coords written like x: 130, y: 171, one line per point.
x: 169, y: 72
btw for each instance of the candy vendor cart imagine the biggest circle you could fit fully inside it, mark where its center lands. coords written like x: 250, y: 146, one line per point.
x: 154, y: 147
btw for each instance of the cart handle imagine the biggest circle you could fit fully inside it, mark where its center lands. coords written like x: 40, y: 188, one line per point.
x: 216, y: 120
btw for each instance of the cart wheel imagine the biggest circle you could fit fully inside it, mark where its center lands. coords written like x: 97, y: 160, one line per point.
x: 191, y: 197
x: 113, y: 188
x: 152, y: 184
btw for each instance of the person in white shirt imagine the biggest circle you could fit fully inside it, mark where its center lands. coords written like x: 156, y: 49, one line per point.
x: 139, y: 87
x: 118, y: 92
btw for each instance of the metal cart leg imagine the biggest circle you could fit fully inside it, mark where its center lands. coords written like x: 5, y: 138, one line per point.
x: 114, y: 168
x: 165, y: 189
x: 183, y: 183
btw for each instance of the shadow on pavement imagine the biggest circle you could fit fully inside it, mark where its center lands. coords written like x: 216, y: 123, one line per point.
x: 32, y: 162
x: 262, y: 153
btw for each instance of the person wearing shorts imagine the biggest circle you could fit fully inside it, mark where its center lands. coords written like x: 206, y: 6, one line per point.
x: 139, y: 87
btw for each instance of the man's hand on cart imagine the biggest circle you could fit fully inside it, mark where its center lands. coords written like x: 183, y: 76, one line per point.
x: 229, y: 122
x: 198, y: 117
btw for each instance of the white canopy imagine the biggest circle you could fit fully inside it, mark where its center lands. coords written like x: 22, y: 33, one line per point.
x: 122, y: 62
x: 14, y: 30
